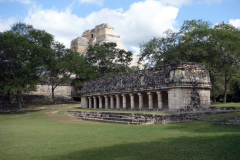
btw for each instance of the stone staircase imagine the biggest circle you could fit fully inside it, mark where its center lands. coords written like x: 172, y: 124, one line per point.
x: 112, y: 117
x: 142, y: 118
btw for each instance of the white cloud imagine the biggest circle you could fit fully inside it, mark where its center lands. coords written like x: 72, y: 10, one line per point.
x: 6, y: 24
x: 141, y: 22
x: 96, y: 2
x: 135, y: 49
x: 63, y: 25
x: 235, y: 22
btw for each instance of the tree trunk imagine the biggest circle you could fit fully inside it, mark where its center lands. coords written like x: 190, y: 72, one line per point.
x: 22, y: 100
x: 214, y: 95
x: 9, y: 97
x: 19, y: 101
x: 3, y: 99
x: 225, y: 88
x: 54, y: 102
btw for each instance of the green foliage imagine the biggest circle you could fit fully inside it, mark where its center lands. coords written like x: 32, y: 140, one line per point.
x: 217, y: 47
x: 23, y: 52
x: 106, y: 60
x: 62, y: 65
x: 234, y: 87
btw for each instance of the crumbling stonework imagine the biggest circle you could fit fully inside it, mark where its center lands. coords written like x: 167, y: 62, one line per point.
x: 142, y: 118
x: 44, y: 93
x: 184, y: 86
x: 98, y: 35
x: 102, y: 33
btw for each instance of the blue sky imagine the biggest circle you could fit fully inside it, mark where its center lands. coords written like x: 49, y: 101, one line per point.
x: 134, y: 20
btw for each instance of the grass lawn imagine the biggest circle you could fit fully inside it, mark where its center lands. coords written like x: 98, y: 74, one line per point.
x: 232, y: 104
x: 51, y: 134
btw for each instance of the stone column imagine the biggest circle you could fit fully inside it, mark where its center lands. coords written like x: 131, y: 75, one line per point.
x: 117, y: 101
x: 150, y: 100
x: 95, y: 102
x: 140, y: 100
x: 100, y: 101
x: 111, y: 96
x: 84, y: 102
x: 159, y: 94
x: 106, y: 102
x: 132, y: 101
x: 170, y: 97
x: 124, y: 101
x: 90, y: 102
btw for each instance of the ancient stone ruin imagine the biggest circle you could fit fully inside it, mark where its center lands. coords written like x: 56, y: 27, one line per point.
x: 102, y: 33
x: 98, y: 35
x: 178, y: 86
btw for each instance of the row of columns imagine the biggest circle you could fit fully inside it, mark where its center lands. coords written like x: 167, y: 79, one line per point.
x: 124, y: 101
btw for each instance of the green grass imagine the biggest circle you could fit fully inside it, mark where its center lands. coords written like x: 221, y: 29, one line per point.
x: 45, y: 135
x: 229, y: 104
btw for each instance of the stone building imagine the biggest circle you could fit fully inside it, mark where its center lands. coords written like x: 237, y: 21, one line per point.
x: 102, y: 33
x: 178, y: 86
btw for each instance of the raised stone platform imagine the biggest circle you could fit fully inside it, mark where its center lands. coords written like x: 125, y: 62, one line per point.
x: 141, y: 118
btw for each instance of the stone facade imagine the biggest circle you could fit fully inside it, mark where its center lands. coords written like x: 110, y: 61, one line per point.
x: 98, y: 35
x: 44, y: 93
x: 102, y: 33
x: 141, y: 118
x: 178, y: 86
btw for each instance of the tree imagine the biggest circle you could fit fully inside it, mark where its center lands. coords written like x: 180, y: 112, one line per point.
x: 228, y: 40
x: 234, y: 85
x: 23, y: 52
x: 106, y: 60
x: 62, y: 65
x: 197, y: 42
x: 160, y: 51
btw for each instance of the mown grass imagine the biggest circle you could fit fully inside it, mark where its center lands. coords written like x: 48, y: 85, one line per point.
x: 47, y: 134
x: 229, y: 104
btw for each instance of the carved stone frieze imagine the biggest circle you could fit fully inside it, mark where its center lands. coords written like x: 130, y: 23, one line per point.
x: 190, y: 75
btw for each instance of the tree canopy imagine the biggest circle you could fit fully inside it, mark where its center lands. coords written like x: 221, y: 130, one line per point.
x: 23, y: 53
x: 198, y: 41
x: 106, y: 60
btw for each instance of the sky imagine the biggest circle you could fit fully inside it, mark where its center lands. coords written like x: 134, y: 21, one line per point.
x: 134, y: 20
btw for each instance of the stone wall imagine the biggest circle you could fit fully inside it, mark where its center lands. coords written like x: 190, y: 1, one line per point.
x: 47, y: 90
x: 185, y: 97
x: 177, y: 86
x: 141, y: 118
x: 176, y: 75
x: 44, y: 93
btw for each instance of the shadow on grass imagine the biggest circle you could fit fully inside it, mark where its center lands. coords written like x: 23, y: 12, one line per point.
x: 216, y: 147
x: 77, y: 107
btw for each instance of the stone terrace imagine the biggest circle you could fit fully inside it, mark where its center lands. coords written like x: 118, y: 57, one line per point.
x: 177, y: 86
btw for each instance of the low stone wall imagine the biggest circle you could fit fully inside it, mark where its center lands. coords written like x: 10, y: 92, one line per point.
x: 44, y: 98
x: 64, y: 90
x: 44, y: 93
x: 142, y: 118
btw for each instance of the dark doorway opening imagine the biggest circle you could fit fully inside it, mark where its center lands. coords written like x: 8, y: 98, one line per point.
x: 165, y: 99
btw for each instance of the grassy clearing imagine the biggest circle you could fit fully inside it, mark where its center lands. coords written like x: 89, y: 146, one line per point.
x: 231, y: 104
x: 50, y: 134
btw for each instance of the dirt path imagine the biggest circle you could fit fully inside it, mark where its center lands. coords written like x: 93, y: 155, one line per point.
x: 56, y: 116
